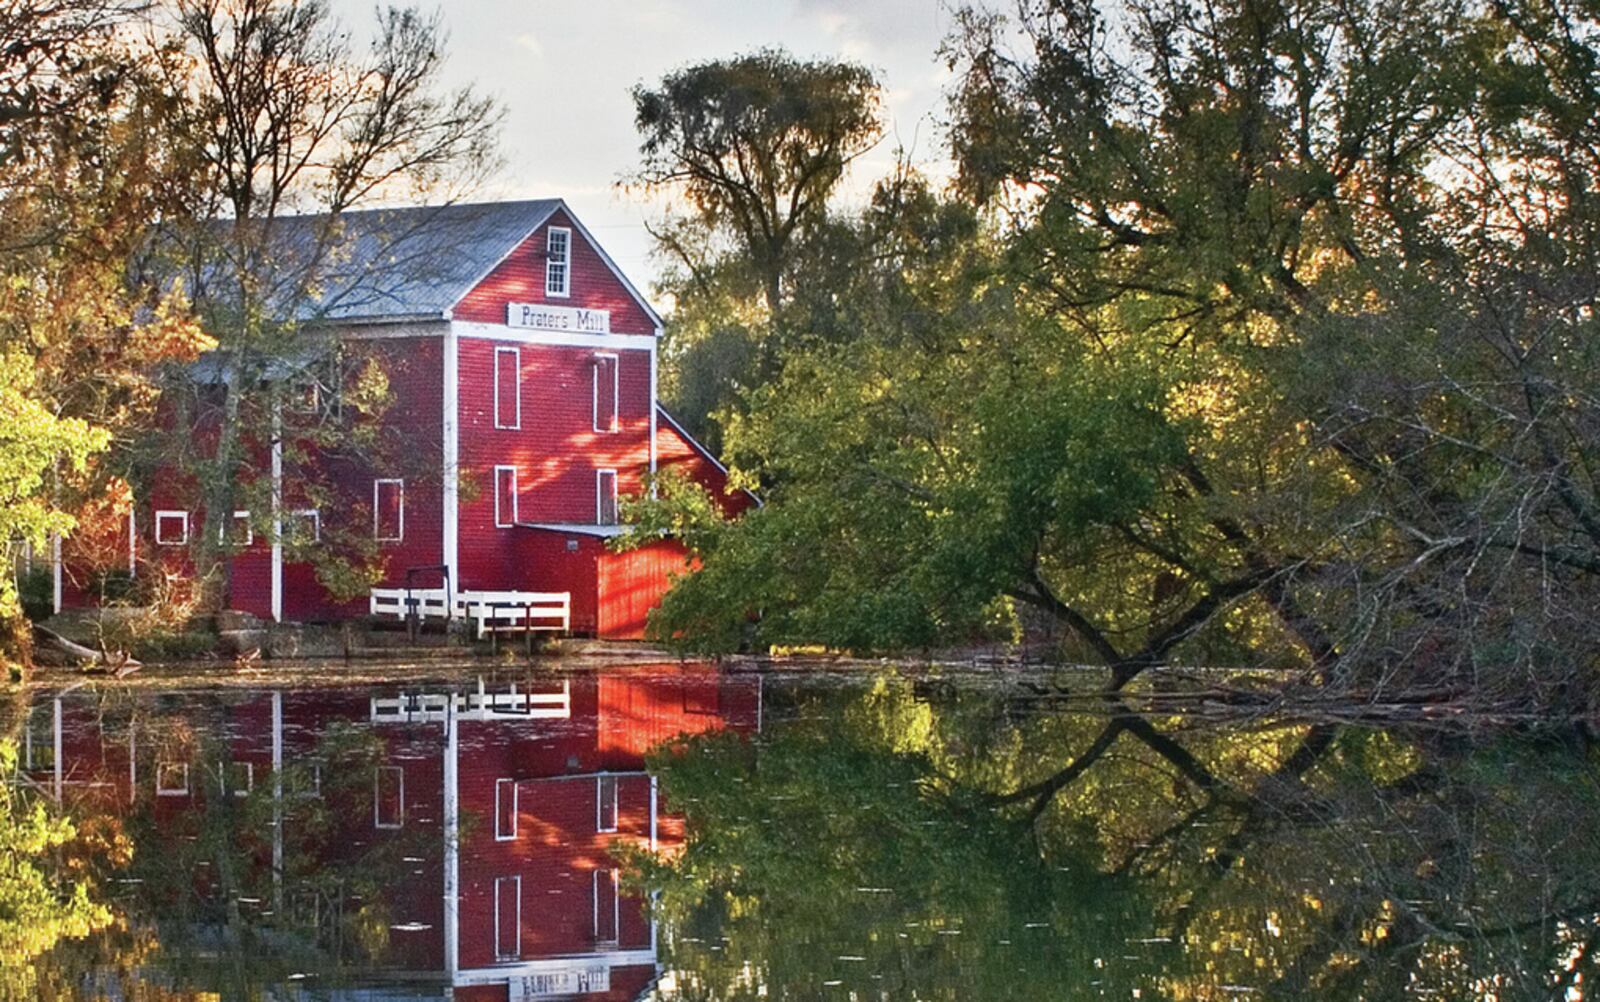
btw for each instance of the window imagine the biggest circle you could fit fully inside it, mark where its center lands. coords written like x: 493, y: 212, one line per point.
x: 605, y: 497
x: 388, y: 510
x: 172, y: 528
x: 505, y: 496
x: 507, y: 918
x: 702, y: 697
x: 605, y: 392
x: 507, y: 388
x: 39, y: 740
x: 172, y: 779
x: 606, y: 906
x: 236, y: 531
x: 304, y: 527
x: 605, y: 803
x: 238, y: 778
x: 305, y: 393
x: 505, y: 810
x: 558, y: 262
x: 388, y: 797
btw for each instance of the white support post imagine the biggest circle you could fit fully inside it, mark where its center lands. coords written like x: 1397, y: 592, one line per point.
x: 653, y: 412
x: 59, y: 777
x: 277, y: 804
x: 55, y: 564
x: 277, y: 509
x: 452, y: 832
x: 653, y: 804
x: 451, y: 429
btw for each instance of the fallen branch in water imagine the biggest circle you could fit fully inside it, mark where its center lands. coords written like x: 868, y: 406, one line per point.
x: 119, y: 663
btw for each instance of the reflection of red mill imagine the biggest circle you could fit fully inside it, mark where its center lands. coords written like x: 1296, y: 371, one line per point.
x: 530, y: 785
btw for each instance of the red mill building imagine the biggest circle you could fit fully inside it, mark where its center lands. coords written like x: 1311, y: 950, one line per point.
x: 521, y: 365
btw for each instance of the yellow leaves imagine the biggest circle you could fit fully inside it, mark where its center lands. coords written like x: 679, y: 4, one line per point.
x: 40, y: 904
x: 170, y: 334
x: 368, y: 393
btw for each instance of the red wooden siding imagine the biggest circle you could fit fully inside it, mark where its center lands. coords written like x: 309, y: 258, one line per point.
x: 674, y: 451
x: 632, y: 583
x: 520, y: 279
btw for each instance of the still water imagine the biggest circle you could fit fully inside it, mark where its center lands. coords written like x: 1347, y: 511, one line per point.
x: 683, y: 832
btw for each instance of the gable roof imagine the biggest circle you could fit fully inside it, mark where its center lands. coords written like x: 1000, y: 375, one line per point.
x: 702, y: 451
x: 413, y: 263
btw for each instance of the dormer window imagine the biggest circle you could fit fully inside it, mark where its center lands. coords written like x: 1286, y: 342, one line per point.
x: 558, y: 262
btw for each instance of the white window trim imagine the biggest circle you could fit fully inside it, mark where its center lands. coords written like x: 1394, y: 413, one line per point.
x: 377, y: 512
x: 516, y: 951
x: 377, y: 799
x: 616, y: 905
x: 28, y: 758
x: 599, y: 785
x: 500, y: 523
x: 616, y: 393
x: 516, y: 421
x: 305, y: 394
x: 171, y: 791
x: 169, y: 513
x: 249, y: 531
x: 515, y: 795
x: 316, y: 521
x: 565, y: 262
x: 249, y: 778
x: 599, y: 497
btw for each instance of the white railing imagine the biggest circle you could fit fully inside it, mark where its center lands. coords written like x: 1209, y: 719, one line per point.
x: 516, y: 611
x: 423, y: 707
x: 498, y: 611
x: 431, y: 603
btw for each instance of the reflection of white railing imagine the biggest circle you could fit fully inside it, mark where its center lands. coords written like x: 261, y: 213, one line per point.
x: 500, y: 611
x: 420, y: 707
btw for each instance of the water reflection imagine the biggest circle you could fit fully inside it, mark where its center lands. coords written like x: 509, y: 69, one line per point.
x: 420, y: 841
x: 685, y: 833
x: 926, y: 841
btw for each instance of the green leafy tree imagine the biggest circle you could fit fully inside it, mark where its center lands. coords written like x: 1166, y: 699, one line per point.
x: 755, y: 147
x: 1270, y: 345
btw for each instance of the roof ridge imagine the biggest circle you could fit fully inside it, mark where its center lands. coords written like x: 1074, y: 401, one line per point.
x: 370, y: 210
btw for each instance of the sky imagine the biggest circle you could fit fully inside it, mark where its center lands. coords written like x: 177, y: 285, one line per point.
x: 564, y: 70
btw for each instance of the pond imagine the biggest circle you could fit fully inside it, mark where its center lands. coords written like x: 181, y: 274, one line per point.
x: 706, y: 833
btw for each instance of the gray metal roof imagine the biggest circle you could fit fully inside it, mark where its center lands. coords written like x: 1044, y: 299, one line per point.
x: 385, y: 264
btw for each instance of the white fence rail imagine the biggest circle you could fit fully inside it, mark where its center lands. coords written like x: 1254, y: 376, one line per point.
x: 498, y: 611
x: 515, y: 611
x: 425, y: 707
x: 430, y: 602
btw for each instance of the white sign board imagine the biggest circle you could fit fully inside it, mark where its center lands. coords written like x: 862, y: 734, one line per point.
x: 561, y: 981
x: 540, y: 317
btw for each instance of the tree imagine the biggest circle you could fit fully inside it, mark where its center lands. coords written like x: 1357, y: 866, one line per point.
x: 286, y: 117
x: 84, y: 173
x: 1281, y: 357
x: 39, y: 905
x: 756, y: 146
x: 1377, y: 224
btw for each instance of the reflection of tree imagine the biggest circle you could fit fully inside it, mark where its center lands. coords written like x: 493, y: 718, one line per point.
x: 1298, y: 860
x: 206, y: 880
x: 187, y: 891
x: 42, y: 901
